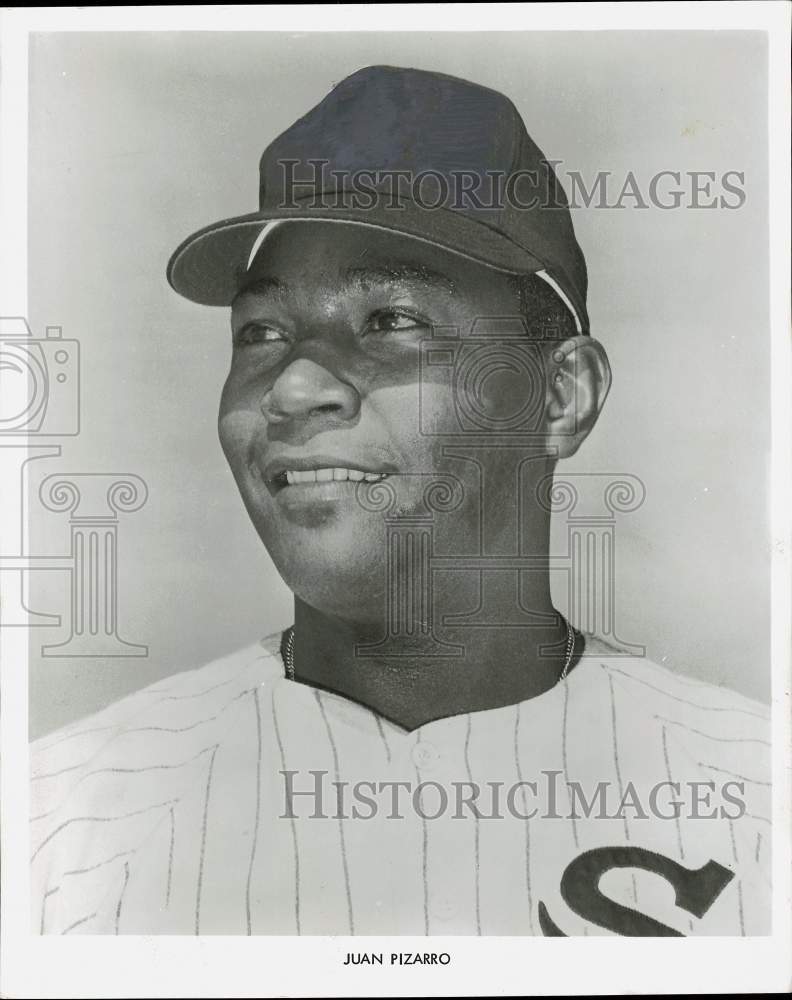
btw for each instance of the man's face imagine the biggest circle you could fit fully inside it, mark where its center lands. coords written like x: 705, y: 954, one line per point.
x: 329, y: 419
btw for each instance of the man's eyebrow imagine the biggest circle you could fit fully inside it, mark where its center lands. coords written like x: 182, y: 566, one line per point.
x: 265, y: 285
x: 397, y: 271
x: 389, y: 273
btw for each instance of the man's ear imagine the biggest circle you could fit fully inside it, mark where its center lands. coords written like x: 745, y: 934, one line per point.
x: 579, y: 380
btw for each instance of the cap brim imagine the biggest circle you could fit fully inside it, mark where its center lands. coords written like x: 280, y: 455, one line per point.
x: 210, y: 267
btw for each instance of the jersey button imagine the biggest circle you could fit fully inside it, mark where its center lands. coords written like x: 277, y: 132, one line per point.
x: 425, y: 756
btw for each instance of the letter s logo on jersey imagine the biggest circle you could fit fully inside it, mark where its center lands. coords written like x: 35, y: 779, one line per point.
x: 696, y: 890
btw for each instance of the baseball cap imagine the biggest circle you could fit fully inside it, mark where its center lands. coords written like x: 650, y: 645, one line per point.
x: 431, y: 156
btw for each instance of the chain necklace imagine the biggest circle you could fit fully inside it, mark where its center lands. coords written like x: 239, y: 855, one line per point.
x: 288, y: 651
x: 288, y: 654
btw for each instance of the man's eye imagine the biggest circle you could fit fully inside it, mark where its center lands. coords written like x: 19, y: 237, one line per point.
x: 394, y: 321
x: 258, y: 333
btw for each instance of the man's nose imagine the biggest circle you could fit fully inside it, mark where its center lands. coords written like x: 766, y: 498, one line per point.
x: 306, y: 389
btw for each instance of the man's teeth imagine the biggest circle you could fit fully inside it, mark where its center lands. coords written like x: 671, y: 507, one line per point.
x: 328, y: 475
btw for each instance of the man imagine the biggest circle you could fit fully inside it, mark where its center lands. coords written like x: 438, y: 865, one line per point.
x: 432, y: 748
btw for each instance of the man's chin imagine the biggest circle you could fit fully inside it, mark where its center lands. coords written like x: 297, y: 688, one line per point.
x: 326, y: 545
x: 347, y: 591
x: 329, y: 542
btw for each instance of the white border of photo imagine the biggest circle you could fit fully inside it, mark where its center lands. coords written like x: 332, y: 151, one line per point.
x: 34, y: 966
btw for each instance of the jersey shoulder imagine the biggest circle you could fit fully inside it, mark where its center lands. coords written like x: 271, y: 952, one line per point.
x: 721, y: 734
x: 145, y: 740
x: 105, y: 786
x: 665, y: 687
x: 186, y: 697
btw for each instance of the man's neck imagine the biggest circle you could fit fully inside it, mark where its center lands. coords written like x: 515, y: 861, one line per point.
x: 483, y: 668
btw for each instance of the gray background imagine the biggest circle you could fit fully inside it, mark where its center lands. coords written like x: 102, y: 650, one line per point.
x: 138, y: 139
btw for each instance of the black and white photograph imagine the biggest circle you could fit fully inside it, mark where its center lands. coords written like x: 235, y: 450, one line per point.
x: 395, y: 555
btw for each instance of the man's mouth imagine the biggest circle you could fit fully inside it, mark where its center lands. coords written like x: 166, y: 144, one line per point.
x: 293, y: 471
x: 291, y: 477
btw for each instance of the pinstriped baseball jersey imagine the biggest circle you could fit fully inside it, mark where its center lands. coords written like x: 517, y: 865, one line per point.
x: 231, y: 800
